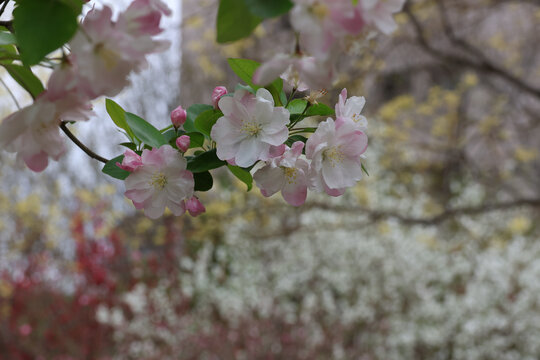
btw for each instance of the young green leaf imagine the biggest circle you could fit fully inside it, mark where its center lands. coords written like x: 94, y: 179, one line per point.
x: 245, y: 68
x: 145, y: 131
x: 242, y: 175
x: 42, y: 26
x: 205, y: 161
x: 7, y: 38
x: 206, y: 120
x: 192, y: 112
x: 118, y: 116
x: 320, y: 110
x: 234, y: 21
x: 195, y: 140
x: 26, y: 78
x: 111, y: 169
x: 297, y: 106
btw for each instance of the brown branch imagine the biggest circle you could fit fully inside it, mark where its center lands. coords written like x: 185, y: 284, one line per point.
x: 482, y: 65
x: 377, y: 215
x: 83, y: 147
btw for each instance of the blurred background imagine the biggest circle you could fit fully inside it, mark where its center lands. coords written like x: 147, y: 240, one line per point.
x: 434, y: 255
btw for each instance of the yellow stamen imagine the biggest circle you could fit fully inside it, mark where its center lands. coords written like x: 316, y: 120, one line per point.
x: 251, y: 128
x: 291, y: 174
x: 335, y: 155
x: 159, y: 180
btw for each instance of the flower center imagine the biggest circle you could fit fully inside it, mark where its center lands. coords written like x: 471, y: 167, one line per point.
x: 109, y: 57
x: 320, y: 10
x: 291, y: 174
x: 159, y: 180
x: 356, y: 117
x: 334, y: 155
x: 251, y: 128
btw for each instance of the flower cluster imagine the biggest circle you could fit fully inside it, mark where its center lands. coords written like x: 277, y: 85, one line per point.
x: 253, y: 129
x: 102, y: 54
x: 325, y: 28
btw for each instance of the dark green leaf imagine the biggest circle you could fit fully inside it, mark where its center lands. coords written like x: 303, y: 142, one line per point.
x: 192, y: 112
x: 118, y: 116
x: 42, y: 26
x: 8, y: 53
x: 170, y: 135
x: 203, y: 181
x: 195, y: 140
x: 111, y: 169
x: 242, y: 175
x: 206, y: 120
x: 205, y: 161
x: 297, y: 106
x: 129, y: 145
x: 320, y: 109
x: 269, y: 8
x: 7, y: 38
x: 26, y: 78
x: 145, y: 131
x: 294, y: 138
x: 234, y: 21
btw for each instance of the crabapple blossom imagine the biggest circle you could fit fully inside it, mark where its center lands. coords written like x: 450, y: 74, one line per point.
x: 334, y: 150
x: 142, y: 17
x: 161, y: 181
x: 380, y: 13
x: 302, y: 72
x: 250, y: 125
x: 182, y: 142
x: 195, y: 207
x: 288, y: 173
x: 178, y: 117
x: 350, y: 109
x: 131, y: 161
x: 218, y: 92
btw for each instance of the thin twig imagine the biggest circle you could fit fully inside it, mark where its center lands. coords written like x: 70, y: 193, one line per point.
x: 83, y: 147
x: 483, y: 65
x: 11, y: 94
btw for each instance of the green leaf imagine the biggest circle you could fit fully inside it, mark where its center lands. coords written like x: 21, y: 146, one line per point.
x: 192, y: 112
x: 118, y: 116
x: 206, y: 120
x: 205, y: 161
x: 42, y: 26
x: 8, y: 53
x: 269, y: 8
x: 242, y: 175
x: 145, y: 131
x: 170, y: 136
x: 195, y: 140
x: 111, y: 169
x: 294, y: 138
x: 297, y: 106
x: 320, y: 110
x: 355, y: 2
x: 7, y: 38
x: 234, y: 21
x: 365, y: 170
x: 129, y: 145
x: 203, y: 181
x: 26, y: 78
x: 245, y: 68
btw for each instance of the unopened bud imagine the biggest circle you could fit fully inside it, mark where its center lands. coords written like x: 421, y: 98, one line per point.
x: 178, y: 117
x: 194, y: 207
x: 183, y: 143
x: 218, y: 92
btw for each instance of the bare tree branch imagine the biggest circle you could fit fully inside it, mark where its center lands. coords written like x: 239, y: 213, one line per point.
x: 83, y: 147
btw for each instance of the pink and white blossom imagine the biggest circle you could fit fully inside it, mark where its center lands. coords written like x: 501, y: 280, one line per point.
x: 161, y: 181
x: 287, y: 173
x: 349, y: 109
x: 131, y: 161
x: 380, y: 13
x: 195, y: 207
x: 142, y: 17
x: 249, y: 127
x: 302, y: 72
x: 334, y: 150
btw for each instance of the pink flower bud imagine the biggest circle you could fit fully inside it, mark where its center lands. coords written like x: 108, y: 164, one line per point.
x: 131, y: 161
x: 178, y: 117
x: 183, y: 143
x: 218, y: 92
x: 25, y: 330
x: 194, y: 206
